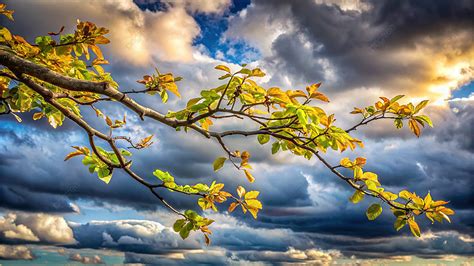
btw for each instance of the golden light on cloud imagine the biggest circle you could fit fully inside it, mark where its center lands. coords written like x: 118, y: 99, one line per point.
x: 450, y: 79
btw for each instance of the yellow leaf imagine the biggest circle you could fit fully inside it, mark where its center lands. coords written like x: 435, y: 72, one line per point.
x: 428, y: 200
x: 439, y: 203
x: 207, y: 122
x: 252, y: 194
x: 421, y: 105
x: 405, y: 194
x: 379, y: 105
x: 447, y: 211
x: 223, y: 68
x: 73, y: 154
x: 37, y: 116
x: 414, y: 228
x: 417, y: 200
x: 244, y: 210
x: 274, y: 91
x: 389, y: 195
x: 240, y: 191
x: 358, y: 172
x: 249, y: 176
x: 245, y: 156
x: 96, y: 51
x: 253, y: 204
x: 319, y: 96
x: 345, y: 162
x: 296, y: 93
x: 357, y: 111
x: 108, y: 121
x: 171, y: 86
x: 253, y: 212
x: 414, y: 127
x: 232, y: 206
x: 257, y: 72
x: 313, y: 88
x: 369, y: 176
x: 101, y: 40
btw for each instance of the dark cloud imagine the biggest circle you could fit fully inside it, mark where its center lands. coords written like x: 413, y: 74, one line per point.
x: 371, y: 47
x: 18, y: 198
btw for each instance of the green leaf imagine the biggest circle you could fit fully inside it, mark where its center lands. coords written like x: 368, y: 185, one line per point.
x: 201, y: 187
x: 275, y: 147
x: 262, y: 139
x: 104, y: 174
x: 163, y: 176
x: 245, y: 71
x: 224, y: 77
x: 396, y: 98
x: 302, y: 117
x: 400, y: 222
x: 425, y: 119
x: 398, y: 123
x: 178, y: 225
x: 126, y: 152
x: 184, y: 232
x: 374, y: 211
x: 420, y: 106
x: 218, y: 163
x: 356, y: 197
x: 164, y: 96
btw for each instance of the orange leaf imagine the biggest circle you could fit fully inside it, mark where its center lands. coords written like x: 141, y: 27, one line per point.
x: 249, y: 176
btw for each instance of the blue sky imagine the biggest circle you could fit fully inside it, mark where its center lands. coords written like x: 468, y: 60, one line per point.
x: 359, y: 50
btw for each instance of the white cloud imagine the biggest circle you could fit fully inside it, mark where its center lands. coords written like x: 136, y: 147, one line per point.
x: 36, y: 227
x: 15, y: 253
x: 96, y: 259
x: 11, y: 230
x: 257, y: 27
x: 203, y: 6
x: 136, y: 36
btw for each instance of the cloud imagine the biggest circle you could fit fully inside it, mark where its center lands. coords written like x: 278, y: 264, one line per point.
x: 39, y: 227
x: 136, y: 36
x: 400, y: 47
x: 15, y: 253
x: 13, y: 231
x: 202, y: 6
x: 221, y: 256
x: 130, y: 235
x: 96, y: 259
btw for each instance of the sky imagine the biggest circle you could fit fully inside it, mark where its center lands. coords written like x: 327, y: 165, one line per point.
x: 54, y: 212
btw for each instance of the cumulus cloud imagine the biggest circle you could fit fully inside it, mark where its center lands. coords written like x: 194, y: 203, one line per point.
x: 13, y: 231
x: 136, y: 35
x: 37, y: 227
x: 96, y: 259
x: 15, y: 253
